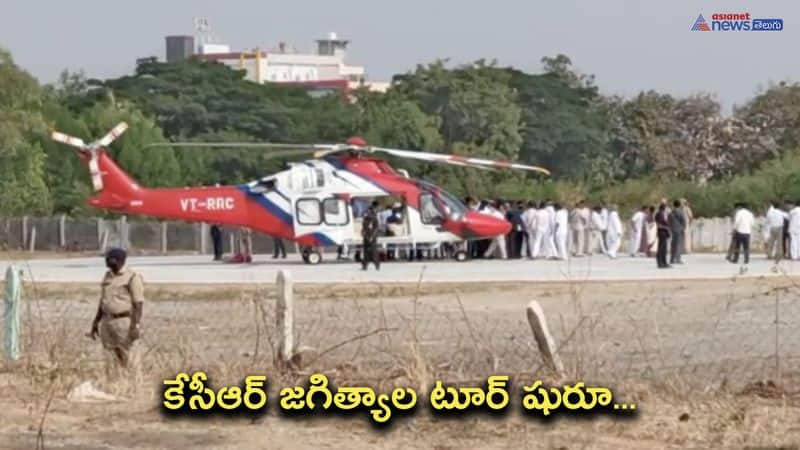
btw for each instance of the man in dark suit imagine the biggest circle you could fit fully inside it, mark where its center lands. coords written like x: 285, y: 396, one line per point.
x: 369, y: 233
x: 662, y: 227
x: 677, y: 228
x: 216, y: 239
x: 514, y: 217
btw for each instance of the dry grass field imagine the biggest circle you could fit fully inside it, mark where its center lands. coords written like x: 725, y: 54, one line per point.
x: 710, y: 364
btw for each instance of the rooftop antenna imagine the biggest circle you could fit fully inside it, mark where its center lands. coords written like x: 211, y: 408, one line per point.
x: 203, y: 33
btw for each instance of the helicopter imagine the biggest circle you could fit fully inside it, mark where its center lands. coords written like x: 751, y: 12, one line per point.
x: 317, y: 203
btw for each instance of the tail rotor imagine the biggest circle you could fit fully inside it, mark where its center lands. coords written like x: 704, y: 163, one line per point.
x: 92, y: 149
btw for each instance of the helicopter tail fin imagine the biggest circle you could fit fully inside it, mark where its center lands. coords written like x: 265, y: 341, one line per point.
x: 116, y: 189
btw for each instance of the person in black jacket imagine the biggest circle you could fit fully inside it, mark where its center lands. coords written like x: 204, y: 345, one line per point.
x: 663, y: 234
x: 514, y: 216
x: 216, y: 239
x: 369, y: 233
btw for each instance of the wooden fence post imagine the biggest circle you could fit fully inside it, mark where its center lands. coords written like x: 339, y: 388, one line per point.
x: 24, y: 232
x: 164, y: 237
x: 123, y: 232
x: 32, y: 243
x: 544, y: 340
x: 62, y: 231
x: 284, y: 316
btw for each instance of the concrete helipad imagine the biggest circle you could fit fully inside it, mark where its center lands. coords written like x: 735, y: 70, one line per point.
x: 200, y: 269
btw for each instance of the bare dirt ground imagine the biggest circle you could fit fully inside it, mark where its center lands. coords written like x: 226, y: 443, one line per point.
x: 710, y: 364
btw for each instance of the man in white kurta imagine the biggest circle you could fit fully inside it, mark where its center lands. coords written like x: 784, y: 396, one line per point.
x: 604, y: 217
x: 794, y: 232
x: 598, y: 227
x: 586, y: 214
x: 542, y: 231
x: 637, y: 225
x: 499, y: 242
x: 577, y: 224
x: 613, y: 232
x: 529, y: 221
x: 549, y: 243
x: 562, y: 232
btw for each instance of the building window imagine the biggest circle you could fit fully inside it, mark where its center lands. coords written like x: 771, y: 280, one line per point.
x: 308, y: 211
x: 335, y: 211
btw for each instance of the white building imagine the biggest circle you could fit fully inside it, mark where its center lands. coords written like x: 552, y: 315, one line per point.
x: 326, y: 69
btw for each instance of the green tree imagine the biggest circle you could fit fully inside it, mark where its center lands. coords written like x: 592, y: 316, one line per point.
x: 22, y: 185
x: 477, y: 115
x: 565, y: 122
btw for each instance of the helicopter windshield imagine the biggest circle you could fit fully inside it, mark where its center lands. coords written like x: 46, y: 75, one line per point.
x: 451, y: 206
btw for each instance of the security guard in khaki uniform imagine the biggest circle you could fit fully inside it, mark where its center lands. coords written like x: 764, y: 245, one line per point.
x: 119, y: 314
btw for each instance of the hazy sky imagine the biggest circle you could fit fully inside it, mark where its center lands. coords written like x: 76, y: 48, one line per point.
x: 630, y: 45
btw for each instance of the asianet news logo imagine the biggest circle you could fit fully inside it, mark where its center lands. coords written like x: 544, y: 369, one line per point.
x: 736, y: 22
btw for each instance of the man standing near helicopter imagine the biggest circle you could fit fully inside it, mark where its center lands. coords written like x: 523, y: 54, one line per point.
x: 369, y: 233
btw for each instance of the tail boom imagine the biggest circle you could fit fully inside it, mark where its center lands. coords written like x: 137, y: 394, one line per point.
x: 227, y: 205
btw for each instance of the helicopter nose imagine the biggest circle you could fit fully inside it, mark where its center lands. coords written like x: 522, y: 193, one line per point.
x: 483, y: 225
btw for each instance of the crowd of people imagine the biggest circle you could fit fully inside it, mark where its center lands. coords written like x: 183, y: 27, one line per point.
x: 550, y: 230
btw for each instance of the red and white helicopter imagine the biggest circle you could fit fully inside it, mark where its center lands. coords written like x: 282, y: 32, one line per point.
x: 317, y: 203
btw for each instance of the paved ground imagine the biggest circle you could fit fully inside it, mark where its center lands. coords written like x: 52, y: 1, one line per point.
x: 199, y: 269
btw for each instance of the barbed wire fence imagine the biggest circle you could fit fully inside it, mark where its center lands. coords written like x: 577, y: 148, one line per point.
x: 728, y: 334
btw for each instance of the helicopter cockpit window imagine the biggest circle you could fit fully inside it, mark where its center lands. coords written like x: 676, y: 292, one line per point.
x: 308, y: 211
x: 430, y: 213
x: 448, y: 204
x: 455, y: 207
x: 335, y: 210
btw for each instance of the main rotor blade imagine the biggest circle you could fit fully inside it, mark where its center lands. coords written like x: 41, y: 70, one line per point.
x: 305, y: 147
x: 67, y: 139
x: 460, y: 160
x: 112, y: 135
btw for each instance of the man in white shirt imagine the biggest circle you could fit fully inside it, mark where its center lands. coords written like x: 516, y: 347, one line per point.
x: 604, y: 218
x: 549, y: 242
x: 577, y: 223
x: 794, y: 232
x: 586, y: 214
x: 774, y: 230
x: 613, y: 232
x: 598, y: 230
x: 499, y: 242
x: 742, y: 228
x: 561, y: 232
x: 529, y: 221
x: 637, y: 225
x: 542, y: 232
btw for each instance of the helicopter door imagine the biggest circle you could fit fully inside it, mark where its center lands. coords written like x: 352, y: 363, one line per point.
x: 325, y: 217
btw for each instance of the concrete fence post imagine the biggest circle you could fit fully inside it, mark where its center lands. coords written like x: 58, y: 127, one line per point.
x: 104, y: 242
x: 163, y: 237
x: 100, y: 233
x: 12, y: 314
x: 284, y: 316
x: 62, y: 231
x: 24, y: 231
x: 32, y: 243
x: 123, y: 232
x: 544, y: 340
x: 204, y: 238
